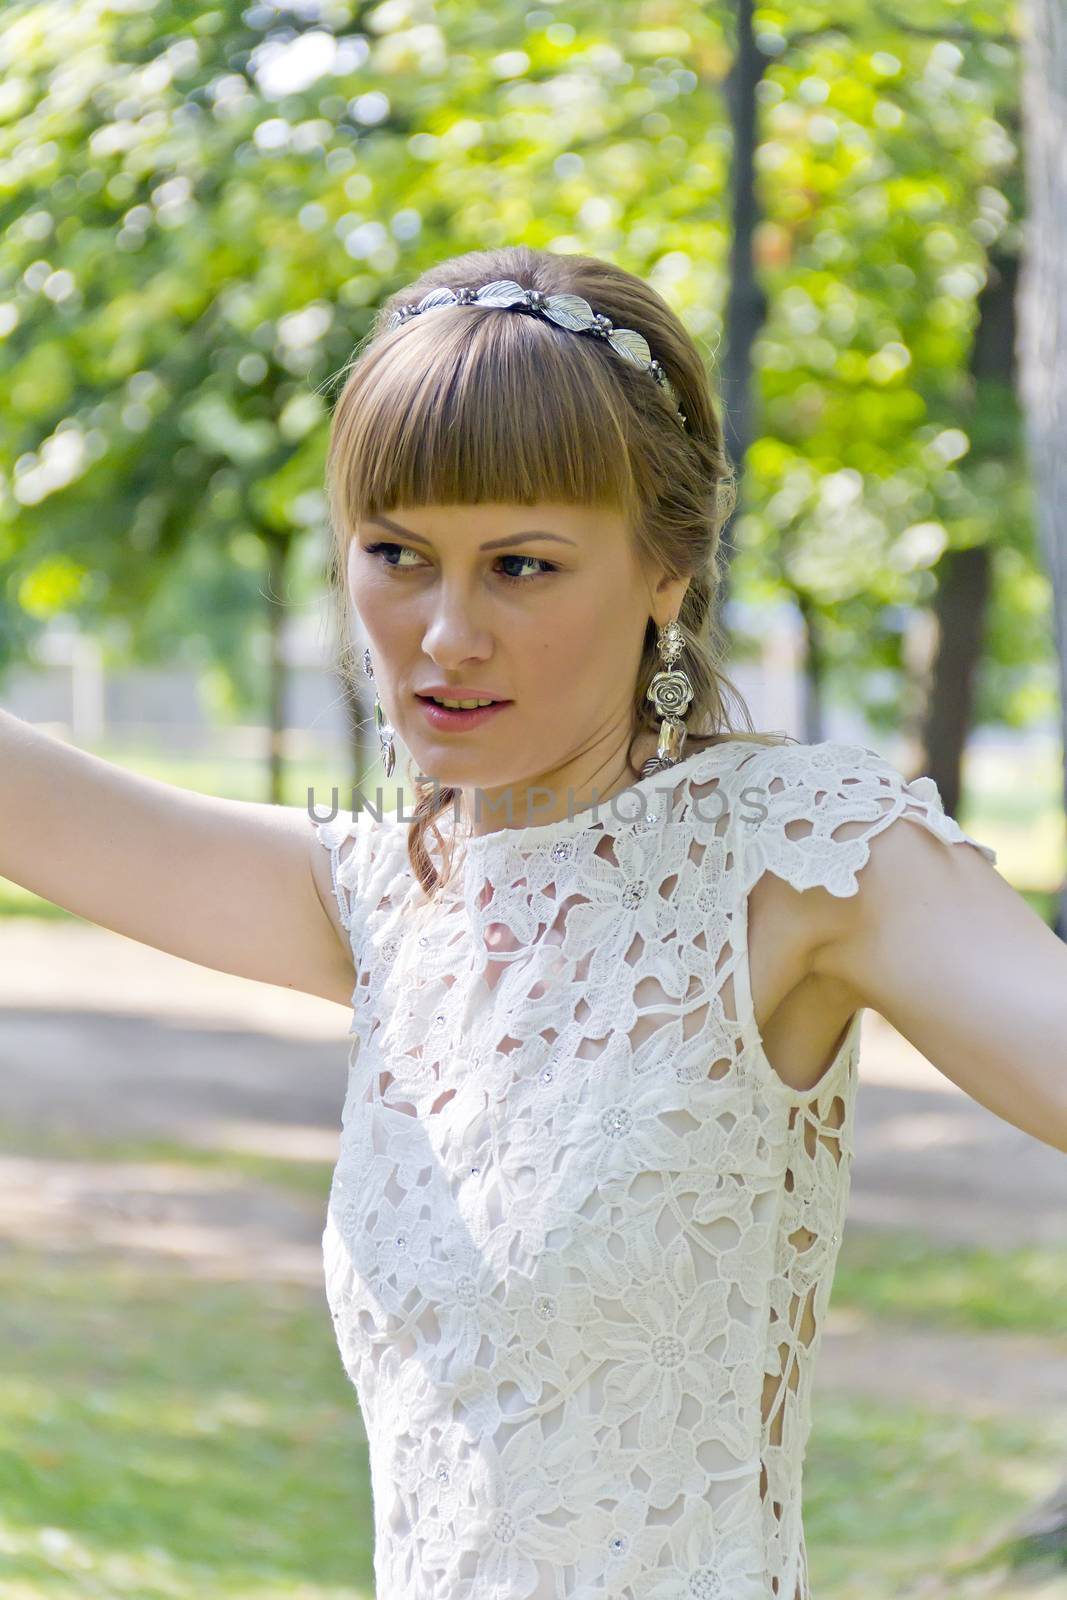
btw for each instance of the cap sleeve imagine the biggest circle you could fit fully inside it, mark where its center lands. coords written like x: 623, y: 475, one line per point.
x: 793, y: 799
x: 352, y: 839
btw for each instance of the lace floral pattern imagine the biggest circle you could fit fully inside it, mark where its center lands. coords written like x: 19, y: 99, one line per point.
x: 581, y: 1235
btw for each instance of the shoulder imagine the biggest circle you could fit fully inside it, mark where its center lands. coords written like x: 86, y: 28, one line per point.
x: 809, y: 813
x: 367, y: 851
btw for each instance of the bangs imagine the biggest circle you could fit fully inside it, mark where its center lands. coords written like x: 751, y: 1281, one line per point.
x: 482, y: 406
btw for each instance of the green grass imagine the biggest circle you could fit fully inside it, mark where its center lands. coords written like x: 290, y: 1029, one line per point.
x: 162, y: 1437
x: 902, y: 1277
x: 894, y: 1494
x: 66, y: 1143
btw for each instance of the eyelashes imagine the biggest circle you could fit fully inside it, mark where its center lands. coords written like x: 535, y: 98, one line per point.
x: 377, y: 550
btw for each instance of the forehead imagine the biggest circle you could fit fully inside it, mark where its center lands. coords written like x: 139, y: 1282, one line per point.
x: 461, y: 524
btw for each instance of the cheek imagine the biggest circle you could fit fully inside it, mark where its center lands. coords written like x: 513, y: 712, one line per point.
x: 561, y: 662
x: 375, y: 602
x: 564, y: 659
x: 588, y: 633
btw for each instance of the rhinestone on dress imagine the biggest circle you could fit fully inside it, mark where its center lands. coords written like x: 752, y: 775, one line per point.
x: 561, y: 850
x: 504, y: 1527
x: 667, y: 1350
x: 401, y: 1241
x: 618, y: 1544
x: 634, y: 893
x: 442, y: 1474
x: 546, y: 1075
x: 706, y: 1585
x: 616, y: 1121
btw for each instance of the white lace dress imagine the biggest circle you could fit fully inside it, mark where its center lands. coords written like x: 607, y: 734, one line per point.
x: 581, y: 1236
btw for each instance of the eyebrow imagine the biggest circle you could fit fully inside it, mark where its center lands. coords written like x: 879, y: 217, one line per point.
x: 490, y: 544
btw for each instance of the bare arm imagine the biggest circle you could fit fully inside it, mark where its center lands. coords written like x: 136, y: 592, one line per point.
x: 237, y: 885
x: 950, y: 954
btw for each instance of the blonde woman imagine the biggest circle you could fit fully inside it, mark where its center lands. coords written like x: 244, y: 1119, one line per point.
x: 606, y: 982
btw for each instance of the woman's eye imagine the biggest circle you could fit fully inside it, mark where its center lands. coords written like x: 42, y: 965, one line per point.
x: 546, y: 566
x: 384, y: 547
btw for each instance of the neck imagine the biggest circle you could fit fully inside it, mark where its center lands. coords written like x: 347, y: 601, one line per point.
x: 555, y: 796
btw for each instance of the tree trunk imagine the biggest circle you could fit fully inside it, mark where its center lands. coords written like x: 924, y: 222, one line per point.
x: 746, y: 305
x: 1043, y: 325
x: 965, y: 576
x: 813, y: 669
x: 1043, y: 389
x: 959, y: 611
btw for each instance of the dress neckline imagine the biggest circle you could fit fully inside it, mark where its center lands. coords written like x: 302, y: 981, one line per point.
x: 634, y: 804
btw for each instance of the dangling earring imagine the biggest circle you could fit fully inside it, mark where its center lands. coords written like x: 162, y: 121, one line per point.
x: 385, y: 732
x: 670, y: 692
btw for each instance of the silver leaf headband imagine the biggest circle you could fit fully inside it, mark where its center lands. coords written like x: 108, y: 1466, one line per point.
x: 567, y: 310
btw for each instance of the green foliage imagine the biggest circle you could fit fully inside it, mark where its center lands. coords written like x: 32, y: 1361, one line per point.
x: 201, y: 208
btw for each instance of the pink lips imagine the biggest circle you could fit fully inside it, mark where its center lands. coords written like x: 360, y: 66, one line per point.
x: 448, y: 720
x: 445, y: 691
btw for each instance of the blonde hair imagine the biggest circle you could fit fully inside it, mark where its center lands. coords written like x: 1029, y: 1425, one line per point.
x: 472, y: 404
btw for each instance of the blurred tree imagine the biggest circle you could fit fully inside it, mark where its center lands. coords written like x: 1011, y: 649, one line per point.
x: 1043, y: 339
x: 880, y: 160
x: 203, y: 206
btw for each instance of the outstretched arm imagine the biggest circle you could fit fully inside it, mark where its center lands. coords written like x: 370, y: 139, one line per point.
x: 232, y: 884
x: 944, y: 948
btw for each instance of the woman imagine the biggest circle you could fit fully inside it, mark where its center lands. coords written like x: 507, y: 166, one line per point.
x: 608, y: 980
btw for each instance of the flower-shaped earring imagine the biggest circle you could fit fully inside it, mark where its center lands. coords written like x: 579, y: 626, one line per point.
x: 670, y: 693
x: 384, y: 731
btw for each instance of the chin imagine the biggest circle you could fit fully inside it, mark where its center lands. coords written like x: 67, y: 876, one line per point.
x: 451, y: 766
x: 468, y: 769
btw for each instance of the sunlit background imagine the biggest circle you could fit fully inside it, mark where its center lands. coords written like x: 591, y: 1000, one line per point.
x: 202, y: 207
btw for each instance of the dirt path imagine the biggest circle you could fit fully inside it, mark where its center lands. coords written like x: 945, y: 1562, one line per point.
x: 103, y: 1038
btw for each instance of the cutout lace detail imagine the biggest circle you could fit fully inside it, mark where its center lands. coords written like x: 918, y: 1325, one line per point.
x: 581, y: 1236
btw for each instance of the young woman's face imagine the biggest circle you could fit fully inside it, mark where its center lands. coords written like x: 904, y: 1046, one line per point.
x: 543, y: 607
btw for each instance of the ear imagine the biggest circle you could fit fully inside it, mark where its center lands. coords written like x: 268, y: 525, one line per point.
x: 667, y: 598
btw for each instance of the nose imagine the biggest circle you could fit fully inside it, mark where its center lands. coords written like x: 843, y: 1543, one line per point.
x: 454, y: 634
